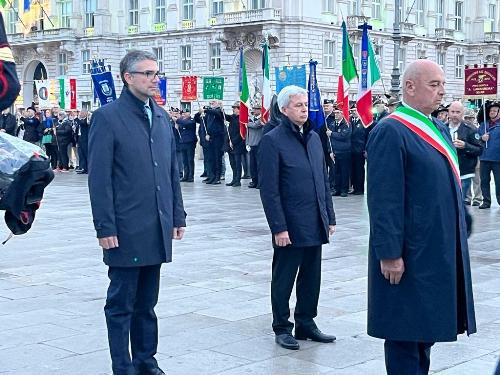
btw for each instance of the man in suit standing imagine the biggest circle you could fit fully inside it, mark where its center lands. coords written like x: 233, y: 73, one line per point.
x: 137, y: 209
x: 295, y: 194
x: 419, y: 281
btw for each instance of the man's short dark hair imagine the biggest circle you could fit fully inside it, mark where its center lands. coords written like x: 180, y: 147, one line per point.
x: 131, y: 59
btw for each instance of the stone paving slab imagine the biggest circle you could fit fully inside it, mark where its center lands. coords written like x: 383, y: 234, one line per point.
x: 214, y: 307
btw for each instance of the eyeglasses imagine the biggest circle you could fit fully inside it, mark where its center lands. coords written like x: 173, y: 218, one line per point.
x: 149, y: 74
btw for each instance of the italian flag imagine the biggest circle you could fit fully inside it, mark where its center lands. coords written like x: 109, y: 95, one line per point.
x: 370, y: 74
x: 266, y: 84
x: 347, y: 75
x: 67, y: 93
x: 244, y: 97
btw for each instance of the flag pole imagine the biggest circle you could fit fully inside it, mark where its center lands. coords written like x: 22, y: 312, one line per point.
x: 484, y: 118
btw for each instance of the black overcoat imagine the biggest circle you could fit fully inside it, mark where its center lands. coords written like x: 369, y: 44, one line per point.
x: 134, y: 182
x: 416, y: 212
x: 294, y: 186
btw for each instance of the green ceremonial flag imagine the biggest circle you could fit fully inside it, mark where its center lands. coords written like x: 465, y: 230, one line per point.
x: 348, y: 65
x: 213, y: 88
x: 374, y: 69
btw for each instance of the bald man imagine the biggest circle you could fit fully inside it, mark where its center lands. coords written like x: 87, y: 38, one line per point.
x: 468, y: 144
x: 419, y: 282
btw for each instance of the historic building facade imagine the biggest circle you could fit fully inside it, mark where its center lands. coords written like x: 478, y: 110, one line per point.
x: 202, y: 38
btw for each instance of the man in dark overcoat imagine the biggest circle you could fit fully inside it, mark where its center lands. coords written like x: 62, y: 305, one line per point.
x: 235, y: 144
x: 187, y: 135
x: 419, y: 281
x: 137, y: 209
x: 215, y: 135
x: 296, y: 197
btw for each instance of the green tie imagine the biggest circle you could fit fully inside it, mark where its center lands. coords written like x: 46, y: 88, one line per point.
x: 147, y: 109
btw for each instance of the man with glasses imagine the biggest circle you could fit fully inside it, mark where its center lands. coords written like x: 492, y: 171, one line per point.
x: 137, y: 209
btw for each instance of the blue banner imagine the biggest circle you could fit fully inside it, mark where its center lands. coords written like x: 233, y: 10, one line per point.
x: 27, y: 5
x: 104, y: 87
x: 161, y: 96
x: 316, y: 114
x: 290, y: 75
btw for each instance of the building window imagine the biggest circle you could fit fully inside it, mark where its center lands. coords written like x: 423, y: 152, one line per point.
x: 353, y: 8
x: 378, y: 49
x: 402, y: 11
x: 329, y: 54
x: 459, y: 11
x: 187, y: 10
x: 492, y: 15
x: 217, y: 7
x: 215, y: 60
x: 65, y: 8
x: 459, y: 66
x: 186, y: 58
x: 441, y: 59
x: 158, y: 52
x: 420, y: 12
x: 86, y: 61
x: 402, y: 59
x: 328, y: 6
x: 257, y: 4
x: 12, y: 21
x: 62, y: 63
x: 90, y: 8
x: 133, y: 13
x: 377, y: 9
x: 439, y: 13
x: 160, y: 11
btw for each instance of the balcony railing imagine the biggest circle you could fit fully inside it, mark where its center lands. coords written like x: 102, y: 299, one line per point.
x: 354, y: 21
x: 89, y: 31
x: 42, y: 36
x: 133, y: 29
x: 445, y: 34
x: 407, y: 28
x: 187, y: 24
x: 266, y: 14
x: 492, y: 37
x: 159, y: 27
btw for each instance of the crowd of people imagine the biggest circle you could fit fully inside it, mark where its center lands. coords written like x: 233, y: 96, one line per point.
x: 62, y: 134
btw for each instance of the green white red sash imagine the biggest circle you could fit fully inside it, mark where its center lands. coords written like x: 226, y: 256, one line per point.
x: 425, y: 129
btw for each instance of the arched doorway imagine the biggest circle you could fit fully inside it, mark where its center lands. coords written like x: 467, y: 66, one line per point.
x: 253, y: 62
x: 34, y: 71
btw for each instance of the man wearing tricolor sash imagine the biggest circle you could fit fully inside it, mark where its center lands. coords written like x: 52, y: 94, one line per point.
x: 419, y: 281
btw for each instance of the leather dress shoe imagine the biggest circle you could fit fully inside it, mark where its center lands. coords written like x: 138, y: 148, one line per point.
x: 155, y: 371
x: 236, y: 184
x: 335, y: 193
x: 313, y: 334
x: 467, y: 202
x: 230, y: 183
x: 206, y: 180
x: 475, y: 203
x: 245, y: 177
x: 343, y: 195
x: 190, y: 180
x: 484, y: 205
x: 203, y: 174
x: 252, y: 185
x: 214, y: 182
x: 287, y: 341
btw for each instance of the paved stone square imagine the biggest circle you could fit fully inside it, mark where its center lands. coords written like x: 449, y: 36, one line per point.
x: 214, y: 308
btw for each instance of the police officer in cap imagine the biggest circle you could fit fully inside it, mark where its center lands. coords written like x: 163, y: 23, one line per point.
x: 358, y: 144
x: 341, y: 145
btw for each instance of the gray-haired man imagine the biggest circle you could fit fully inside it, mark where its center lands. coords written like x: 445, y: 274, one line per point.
x: 137, y: 208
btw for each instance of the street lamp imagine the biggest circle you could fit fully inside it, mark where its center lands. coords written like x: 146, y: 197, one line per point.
x: 396, y: 36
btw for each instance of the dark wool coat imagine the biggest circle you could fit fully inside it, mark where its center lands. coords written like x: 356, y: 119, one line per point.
x: 134, y: 182
x: 294, y: 186
x: 416, y: 212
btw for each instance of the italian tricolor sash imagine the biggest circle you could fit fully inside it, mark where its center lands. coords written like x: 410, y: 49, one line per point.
x: 425, y: 129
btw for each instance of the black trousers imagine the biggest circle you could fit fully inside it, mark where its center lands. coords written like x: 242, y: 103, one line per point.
x: 187, y: 150
x: 244, y: 162
x: 132, y: 296
x: 235, y: 161
x: 286, y: 262
x: 254, y: 164
x: 407, y: 358
x: 215, y: 154
x: 52, y: 153
x: 358, y: 172
x: 62, y: 149
x: 206, y: 161
x: 485, y: 169
x: 342, y: 172
x: 83, y: 151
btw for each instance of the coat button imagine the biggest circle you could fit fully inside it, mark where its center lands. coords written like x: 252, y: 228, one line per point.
x: 155, y: 163
x: 160, y: 212
x: 158, y: 188
x: 151, y: 140
x: 136, y: 260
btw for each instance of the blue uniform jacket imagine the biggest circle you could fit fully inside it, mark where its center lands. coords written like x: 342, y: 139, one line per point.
x: 134, y: 183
